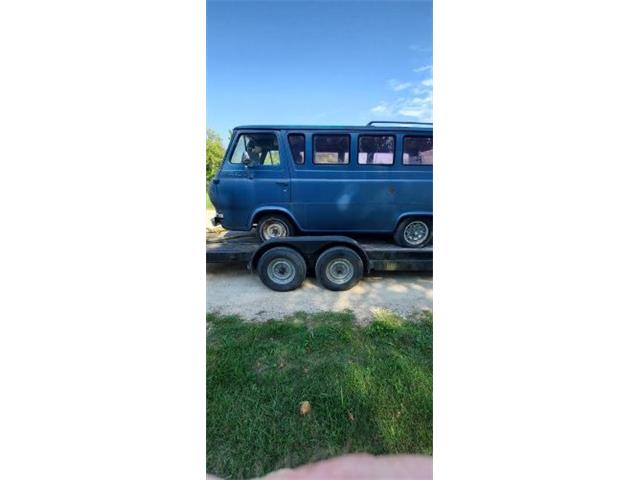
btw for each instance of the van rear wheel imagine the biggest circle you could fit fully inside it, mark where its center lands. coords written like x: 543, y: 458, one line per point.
x: 414, y: 232
x: 274, y: 226
x: 339, y: 268
x: 282, y: 269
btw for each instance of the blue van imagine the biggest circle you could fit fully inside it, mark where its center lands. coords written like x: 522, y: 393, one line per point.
x: 300, y: 180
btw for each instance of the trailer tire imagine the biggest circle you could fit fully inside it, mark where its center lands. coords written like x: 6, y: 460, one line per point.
x: 339, y: 268
x: 274, y: 226
x: 282, y: 269
x: 414, y: 232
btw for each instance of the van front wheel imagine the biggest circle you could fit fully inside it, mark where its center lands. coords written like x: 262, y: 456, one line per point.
x: 274, y: 226
x: 414, y: 233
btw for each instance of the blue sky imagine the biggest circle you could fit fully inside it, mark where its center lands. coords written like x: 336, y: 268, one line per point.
x: 318, y: 62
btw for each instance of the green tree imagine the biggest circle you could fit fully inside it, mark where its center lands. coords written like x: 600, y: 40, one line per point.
x: 215, y: 153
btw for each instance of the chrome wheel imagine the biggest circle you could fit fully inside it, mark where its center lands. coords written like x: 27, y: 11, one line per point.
x: 416, y: 232
x: 339, y: 271
x: 274, y: 229
x: 281, y: 271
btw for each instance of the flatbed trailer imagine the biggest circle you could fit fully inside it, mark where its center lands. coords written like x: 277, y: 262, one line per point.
x: 337, y: 261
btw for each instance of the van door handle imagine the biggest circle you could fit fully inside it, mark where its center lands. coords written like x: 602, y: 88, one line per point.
x: 283, y: 184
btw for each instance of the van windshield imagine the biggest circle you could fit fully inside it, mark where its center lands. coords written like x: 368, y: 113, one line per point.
x: 256, y: 149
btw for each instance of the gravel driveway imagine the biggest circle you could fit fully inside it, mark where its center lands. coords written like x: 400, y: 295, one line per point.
x: 232, y: 290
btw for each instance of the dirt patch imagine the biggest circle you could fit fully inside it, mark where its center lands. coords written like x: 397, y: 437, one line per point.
x: 231, y: 289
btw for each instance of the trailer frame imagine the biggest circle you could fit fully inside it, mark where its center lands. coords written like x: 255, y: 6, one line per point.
x: 377, y: 254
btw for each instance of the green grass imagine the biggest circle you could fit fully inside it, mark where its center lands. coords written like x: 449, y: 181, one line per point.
x: 209, y: 204
x: 258, y: 373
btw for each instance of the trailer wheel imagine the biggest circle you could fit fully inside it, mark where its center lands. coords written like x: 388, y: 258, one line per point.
x: 413, y: 232
x: 282, y: 269
x: 274, y: 226
x: 339, y: 268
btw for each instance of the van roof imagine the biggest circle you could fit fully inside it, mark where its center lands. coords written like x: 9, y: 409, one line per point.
x: 369, y: 128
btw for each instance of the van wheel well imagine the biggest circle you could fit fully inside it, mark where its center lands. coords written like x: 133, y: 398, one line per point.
x: 267, y: 213
x: 414, y: 231
x: 428, y: 218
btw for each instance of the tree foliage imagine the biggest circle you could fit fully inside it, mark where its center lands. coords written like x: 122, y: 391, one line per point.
x: 215, y: 153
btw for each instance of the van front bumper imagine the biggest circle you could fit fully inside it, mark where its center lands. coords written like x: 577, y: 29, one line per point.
x: 217, y: 220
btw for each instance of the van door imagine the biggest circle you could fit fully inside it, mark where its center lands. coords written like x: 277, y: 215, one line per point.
x: 323, y: 187
x: 254, y: 175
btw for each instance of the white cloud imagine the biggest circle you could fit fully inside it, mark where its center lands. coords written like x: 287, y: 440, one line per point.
x: 401, y: 86
x: 382, y: 108
x: 417, y: 107
x: 397, y: 86
x: 422, y: 69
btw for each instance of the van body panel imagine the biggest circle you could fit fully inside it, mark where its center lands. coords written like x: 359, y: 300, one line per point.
x: 241, y: 190
x: 325, y: 198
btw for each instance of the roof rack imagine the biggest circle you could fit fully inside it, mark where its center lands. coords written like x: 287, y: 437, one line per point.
x: 371, y: 124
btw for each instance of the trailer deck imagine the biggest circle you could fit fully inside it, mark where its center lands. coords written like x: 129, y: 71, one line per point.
x: 239, y: 247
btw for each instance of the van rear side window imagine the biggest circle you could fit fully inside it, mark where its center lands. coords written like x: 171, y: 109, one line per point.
x: 376, y: 149
x: 331, y: 149
x: 257, y: 149
x: 296, y: 143
x: 417, y: 151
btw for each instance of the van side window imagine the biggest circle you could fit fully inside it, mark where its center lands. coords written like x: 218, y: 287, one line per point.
x: 417, y: 151
x: 257, y: 149
x: 296, y: 143
x: 376, y: 149
x: 331, y: 149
